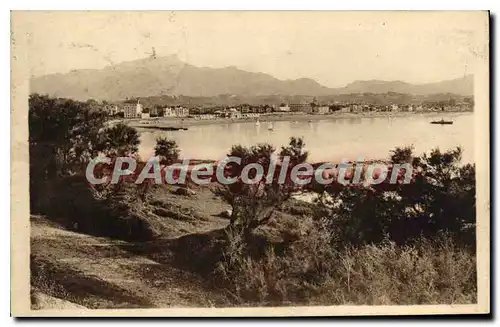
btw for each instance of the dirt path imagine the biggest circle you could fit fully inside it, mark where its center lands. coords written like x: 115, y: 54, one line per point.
x: 98, y: 272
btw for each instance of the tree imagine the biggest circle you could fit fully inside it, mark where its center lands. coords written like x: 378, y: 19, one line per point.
x: 159, y: 110
x: 119, y: 141
x: 295, y: 150
x: 401, y: 155
x: 334, y: 107
x: 443, y: 195
x: 63, y: 136
x: 439, y: 199
x: 251, y: 203
x: 92, y: 103
x: 167, y: 150
x: 254, y: 203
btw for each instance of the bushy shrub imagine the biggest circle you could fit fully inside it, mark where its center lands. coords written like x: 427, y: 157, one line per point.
x: 382, y: 244
x: 439, y: 199
x: 387, y: 274
x: 167, y: 150
x: 71, y: 202
x: 118, y: 140
x: 275, y: 279
x: 310, y: 272
x: 63, y: 136
x: 254, y: 203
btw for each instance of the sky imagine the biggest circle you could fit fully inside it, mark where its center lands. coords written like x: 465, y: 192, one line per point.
x: 333, y: 48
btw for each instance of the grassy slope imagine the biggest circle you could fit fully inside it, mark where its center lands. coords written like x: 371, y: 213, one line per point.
x: 99, y: 272
x: 171, y: 271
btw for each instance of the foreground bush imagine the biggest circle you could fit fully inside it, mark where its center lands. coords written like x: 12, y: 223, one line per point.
x: 440, y: 198
x: 309, y: 272
x: 388, y: 274
x: 72, y: 203
x: 64, y: 135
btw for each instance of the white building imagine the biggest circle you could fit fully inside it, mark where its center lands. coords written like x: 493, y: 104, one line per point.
x: 321, y: 110
x: 394, y: 107
x: 145, y: 115
x: 234, y: 113
x: 285, y: 108
x: 181, y: 112
x: 131, y: 110
x: 356, y: 108
x: 205, y: 116
x: 168, y: 112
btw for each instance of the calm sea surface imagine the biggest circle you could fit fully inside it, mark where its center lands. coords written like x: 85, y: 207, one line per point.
x: 327, y: 140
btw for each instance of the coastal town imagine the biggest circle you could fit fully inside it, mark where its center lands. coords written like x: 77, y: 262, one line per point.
x: 136, y: 110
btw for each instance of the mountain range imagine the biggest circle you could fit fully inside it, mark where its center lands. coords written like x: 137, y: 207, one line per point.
x: 171, y: 76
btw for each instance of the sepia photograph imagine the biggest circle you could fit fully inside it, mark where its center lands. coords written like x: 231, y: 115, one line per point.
x: 250, y: 163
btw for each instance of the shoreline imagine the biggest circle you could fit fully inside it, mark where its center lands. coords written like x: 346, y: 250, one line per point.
x: 163, y: 122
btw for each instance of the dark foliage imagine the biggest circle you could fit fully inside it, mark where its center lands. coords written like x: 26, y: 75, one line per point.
x: 167, y: 150
x: 119, y: 140
x: 254, y: 203
x: 64, y: 135
x: 440, y: 199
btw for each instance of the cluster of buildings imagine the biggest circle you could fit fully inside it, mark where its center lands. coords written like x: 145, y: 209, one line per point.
x: 430, y: 107
x: 228, y: 113
x: 309, y: 108
x: 178, y: 111
x: 136, y: 110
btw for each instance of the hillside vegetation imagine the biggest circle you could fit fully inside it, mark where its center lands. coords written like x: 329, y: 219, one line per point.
x: 132, y: 245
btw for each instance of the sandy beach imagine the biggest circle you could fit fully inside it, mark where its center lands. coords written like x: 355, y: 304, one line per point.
x: 187, y: 122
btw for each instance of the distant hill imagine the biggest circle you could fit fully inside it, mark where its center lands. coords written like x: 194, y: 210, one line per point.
x: 170, y: 76
x: 460, y: 86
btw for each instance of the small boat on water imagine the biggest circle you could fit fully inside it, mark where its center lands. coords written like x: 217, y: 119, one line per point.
x: 270, y: 126
x: 257, y: 123
x: 442, y: 122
